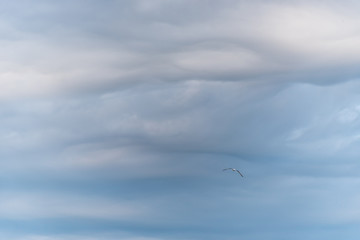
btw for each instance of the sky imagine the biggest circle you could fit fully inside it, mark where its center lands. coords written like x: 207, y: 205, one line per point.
x: 117, y: 118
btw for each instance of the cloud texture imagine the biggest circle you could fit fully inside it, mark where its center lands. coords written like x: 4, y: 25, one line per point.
x: 117, y: 118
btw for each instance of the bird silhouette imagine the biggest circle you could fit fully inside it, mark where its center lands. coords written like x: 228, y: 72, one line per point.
x: 234, y: 170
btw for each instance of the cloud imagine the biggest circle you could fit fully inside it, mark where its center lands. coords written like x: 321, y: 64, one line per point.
x: 53, y: 205
x: 79, y: 237
x: 234, y: 40
x: 120, y: 115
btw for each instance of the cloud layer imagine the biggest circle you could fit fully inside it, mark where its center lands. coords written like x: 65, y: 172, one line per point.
x: 118, y: 117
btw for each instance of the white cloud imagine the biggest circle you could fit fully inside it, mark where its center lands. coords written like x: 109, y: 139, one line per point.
x: 297, y: 133
x: 107, y: 236
x: 44, y: 205
x: 157, y: 96
x: 348, y: 115
x: 227, y: 61
x: 243, y: 40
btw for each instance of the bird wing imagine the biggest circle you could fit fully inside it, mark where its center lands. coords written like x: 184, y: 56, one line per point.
x: 226, y: 169
x: 239, y: 173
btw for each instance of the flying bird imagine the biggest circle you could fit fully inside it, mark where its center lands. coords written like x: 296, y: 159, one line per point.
x: 233, y: 169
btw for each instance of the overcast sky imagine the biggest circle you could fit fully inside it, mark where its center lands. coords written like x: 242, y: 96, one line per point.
x: 118, y: 116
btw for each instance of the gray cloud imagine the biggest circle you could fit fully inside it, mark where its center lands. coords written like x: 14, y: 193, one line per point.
x: 97, y: 47
x: 118, y: 117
